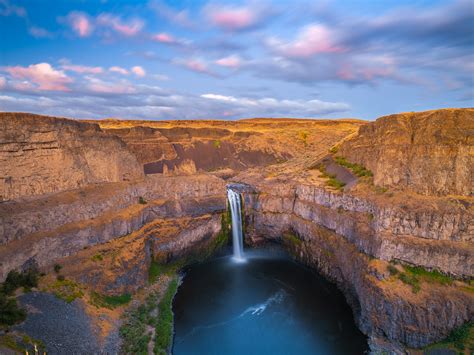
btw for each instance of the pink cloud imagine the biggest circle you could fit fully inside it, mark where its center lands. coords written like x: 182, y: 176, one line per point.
x: 232, y: 61
x: 43, y: 75
x: 138, y: 71
x: 196, y: 65
x: 3, y: 82
x: 233, y: 18
x: 82, y: 69
x: 164, y: 38
x: 313, y: 39
x: 119, y: 70
x: 80, y: 23
x: 129, y: 29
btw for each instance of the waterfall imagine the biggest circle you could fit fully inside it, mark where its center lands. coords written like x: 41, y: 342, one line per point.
x: 236, y: 213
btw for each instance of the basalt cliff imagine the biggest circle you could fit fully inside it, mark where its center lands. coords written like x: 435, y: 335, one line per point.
x: 384, y: 209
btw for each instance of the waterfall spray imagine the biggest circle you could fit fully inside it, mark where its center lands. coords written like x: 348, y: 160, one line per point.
x: 236, y: 213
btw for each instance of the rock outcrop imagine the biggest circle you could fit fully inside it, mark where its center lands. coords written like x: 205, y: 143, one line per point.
x: 430, y: 152
x: 172, y: 147
x: 351, y: 241
x: 41, y: 154
x: 38, y: 235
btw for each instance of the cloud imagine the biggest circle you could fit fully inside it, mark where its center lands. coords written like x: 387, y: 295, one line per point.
x: 236, y: 18
x: 232, y: 61
x: 43, y: 75
x: 312, y: 39
x: 99, y: 86
x: 82, y: 69
x: 129, y: 29
x: 120, y: 70
x: 164, y: 38
x: 271, y: 107
x: 8, y: 9
x: 138, y: 71
x: 80, y: 23
x: 177, y: 17
x: 39, y: 32
x: 3, y: 82
x: 195, y: 64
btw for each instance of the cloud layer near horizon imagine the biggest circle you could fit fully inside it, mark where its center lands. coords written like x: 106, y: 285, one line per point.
x: 236, y: 59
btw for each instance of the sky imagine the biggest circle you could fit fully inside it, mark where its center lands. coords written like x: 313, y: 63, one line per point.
x: 196, y: 59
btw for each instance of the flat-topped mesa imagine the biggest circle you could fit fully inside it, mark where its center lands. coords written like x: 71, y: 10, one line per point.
x: 41, y: 154
x: 431, y: 153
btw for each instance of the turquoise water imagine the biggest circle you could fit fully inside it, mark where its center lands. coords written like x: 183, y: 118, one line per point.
x: 267, y: 305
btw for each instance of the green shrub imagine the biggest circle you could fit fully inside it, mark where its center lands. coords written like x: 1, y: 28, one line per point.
x: 67, y: 290
x: 97, y: 257
x: 153, y: 271
x: 334, y: 149
x: 110, y: 302
x: 392, y: 269
x: 429, y: 276
x: 410, y: 280
x: 142, y: 201
x: 27, y: 279
x: 10, y: 313
x: 216, y: 143
x: 332, y: 180
x: 60, y: 278
x: 57, y: 268
x: 459, y: 337
x: 164, y: 328
x: 357, y: 169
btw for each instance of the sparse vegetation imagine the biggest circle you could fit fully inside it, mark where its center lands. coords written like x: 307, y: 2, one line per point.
x: 357, y: 169
x: 142, y: 201
x: 134, y: 329
x: 65, y: 289
x: 105, y: 301
x: 460, y: 339
x: 164, y: 326
x: 392, y: 270
x: 292, y: 238
x: 332, y: 180
x: 97, y: 257
x: 303, y: 135
x: 415, y: 275
x: 334, y: 150
x: 216, y: 143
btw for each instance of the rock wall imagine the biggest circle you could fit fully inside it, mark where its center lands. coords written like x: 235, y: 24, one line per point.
x: 77, y: 223
x: 350, y: 240
x: 41, y: 154
x: 121, y: 265
x: 430, y: 152
x: 433, y: 237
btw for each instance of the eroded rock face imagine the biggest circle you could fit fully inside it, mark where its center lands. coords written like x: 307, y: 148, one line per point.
x: 430, y: 152
x: 121, y: 265
x: 177, y: 147
x: 336, y: 237
x: 76, y: 222
x: 41, y: 154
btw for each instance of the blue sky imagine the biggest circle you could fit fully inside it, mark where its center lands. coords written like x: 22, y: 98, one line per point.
x: 226, y: 60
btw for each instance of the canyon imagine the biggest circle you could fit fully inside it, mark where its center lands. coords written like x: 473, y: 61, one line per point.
x: 383, y: 209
